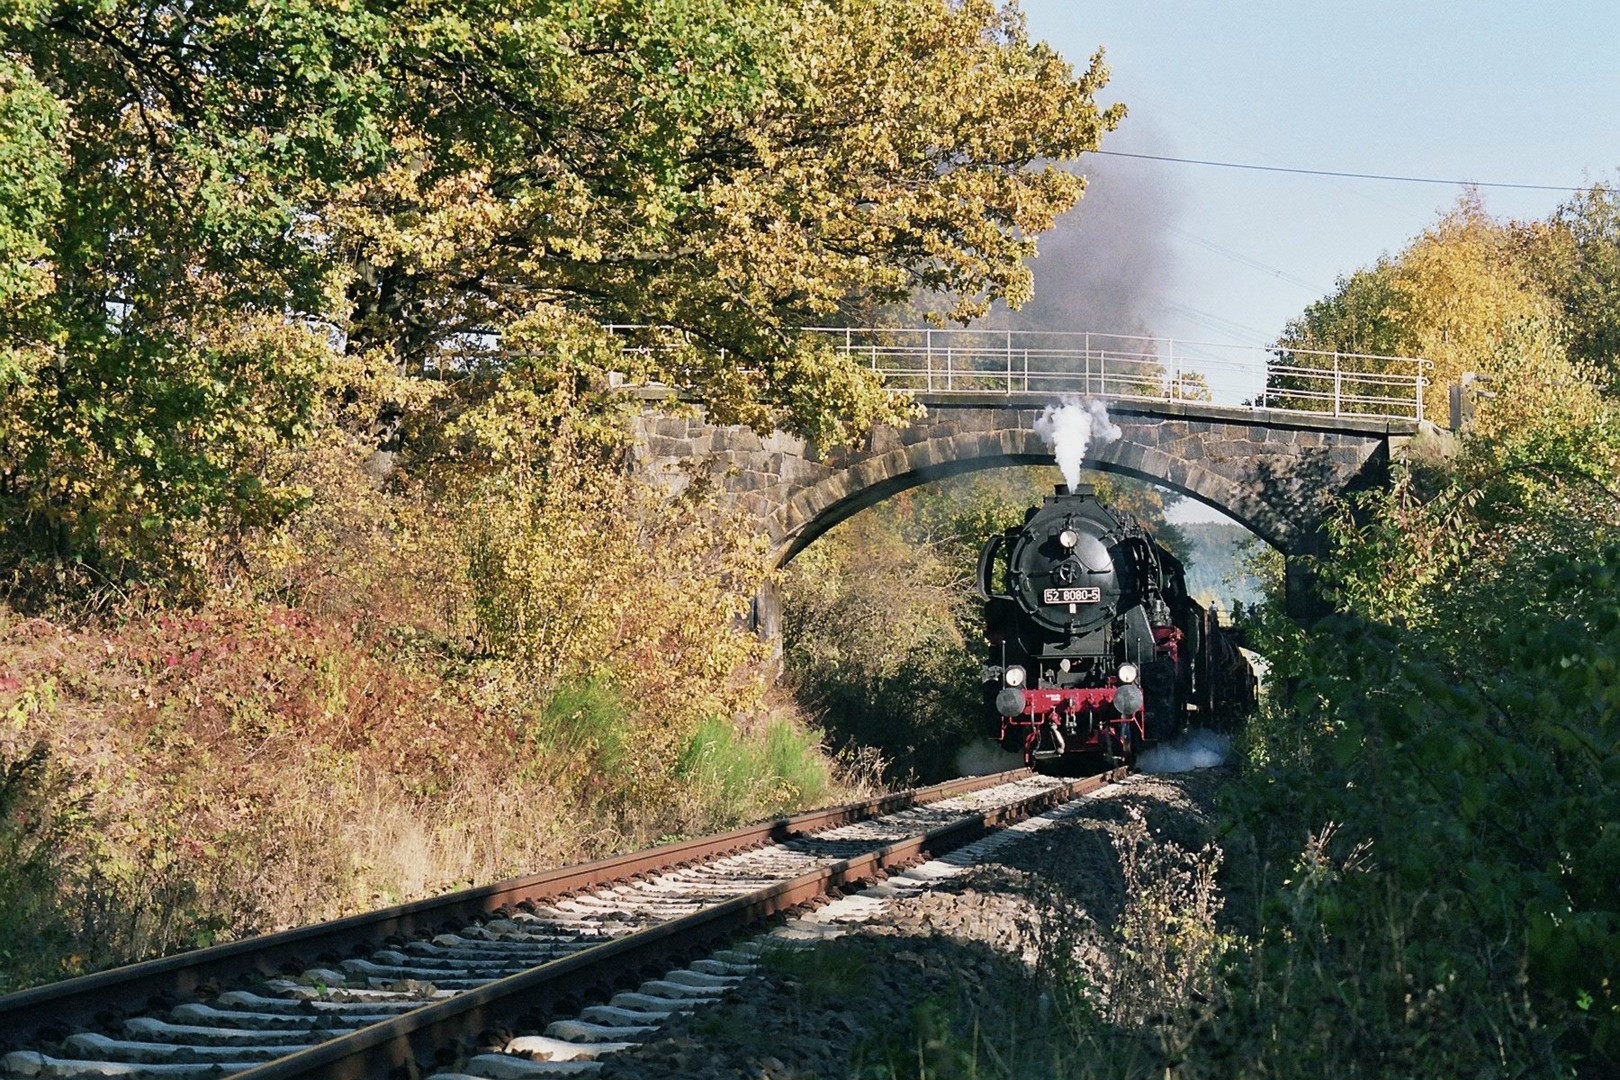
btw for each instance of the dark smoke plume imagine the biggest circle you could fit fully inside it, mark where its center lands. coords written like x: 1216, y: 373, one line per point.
x: 1106, y: 266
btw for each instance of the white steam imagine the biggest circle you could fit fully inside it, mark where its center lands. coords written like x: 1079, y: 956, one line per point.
x: 1196, y: 749
x: 1069, y: 429
x: 1199, y: 748
x: 981, y: 757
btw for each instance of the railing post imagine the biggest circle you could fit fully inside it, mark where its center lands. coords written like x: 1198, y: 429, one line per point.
x: 1368, y: 389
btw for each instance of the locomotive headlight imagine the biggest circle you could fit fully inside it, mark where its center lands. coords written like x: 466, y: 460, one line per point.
x: 1068, y: 538
x: 1128, y: 673
x: 1014, y: 676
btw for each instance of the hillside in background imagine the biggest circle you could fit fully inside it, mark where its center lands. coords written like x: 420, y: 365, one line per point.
x: 1218, y: 558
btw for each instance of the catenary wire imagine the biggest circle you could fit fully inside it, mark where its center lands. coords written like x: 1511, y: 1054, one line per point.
x: 1344, y: 175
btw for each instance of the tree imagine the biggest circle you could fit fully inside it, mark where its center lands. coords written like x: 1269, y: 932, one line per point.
x: 1577, y: 257
x: 165, y: 361
x: 32, y: 128
x: 266, y: 212
x: 793, y: 163
x: 1449, y: 297
x: 882, y: 631
x: 1359, y: 316
x: 1462, y: 697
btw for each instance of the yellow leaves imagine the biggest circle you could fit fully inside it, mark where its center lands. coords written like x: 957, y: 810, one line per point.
x: 416, y: 215
x: 593, y: 574
x: 880, y: 150
x: 1468, y: 295
x: 1532, y: 388
x: 561, y: 568
x: 539, y: 169
x: 1460, y: 289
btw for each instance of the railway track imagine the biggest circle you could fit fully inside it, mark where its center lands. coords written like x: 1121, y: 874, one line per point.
x: 529, y: 966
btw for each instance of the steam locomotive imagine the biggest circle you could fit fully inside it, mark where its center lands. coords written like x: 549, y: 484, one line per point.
x: 1095, y: 648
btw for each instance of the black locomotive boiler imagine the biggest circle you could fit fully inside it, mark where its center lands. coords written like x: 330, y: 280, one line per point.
x: 1095, y: 648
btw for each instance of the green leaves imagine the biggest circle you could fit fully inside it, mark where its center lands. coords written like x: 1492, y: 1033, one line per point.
x: 1461, y: 713
x: 219, y: 223
x: 161, y: 365
x: 33, y: 125
x: 1580, y: 263
x: 1485, y: 777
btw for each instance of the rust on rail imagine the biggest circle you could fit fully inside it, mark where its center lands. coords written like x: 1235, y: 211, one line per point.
x: 435, y: 1034
x: 129, y: 989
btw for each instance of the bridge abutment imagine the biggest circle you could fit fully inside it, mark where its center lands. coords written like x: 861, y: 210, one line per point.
x: 1302, y: 584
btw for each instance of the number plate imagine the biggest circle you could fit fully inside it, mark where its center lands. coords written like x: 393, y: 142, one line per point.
x: 1071, y: 596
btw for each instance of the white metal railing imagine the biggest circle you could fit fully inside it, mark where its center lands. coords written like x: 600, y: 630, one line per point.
x: 1127, y: 367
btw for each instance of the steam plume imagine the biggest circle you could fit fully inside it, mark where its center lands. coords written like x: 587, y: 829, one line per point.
x: 1068, y: 430
x: 1199, y: 748
x: 982, y: 757
x: 1108, y: 265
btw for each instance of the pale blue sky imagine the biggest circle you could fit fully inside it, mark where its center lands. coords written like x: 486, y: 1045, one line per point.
x: 1500, y: 91
x: 1493, y: 91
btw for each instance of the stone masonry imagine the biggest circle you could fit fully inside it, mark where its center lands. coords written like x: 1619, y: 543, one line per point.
x: 1275, y: 472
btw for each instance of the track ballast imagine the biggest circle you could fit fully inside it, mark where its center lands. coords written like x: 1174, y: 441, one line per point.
x: 424, y: 986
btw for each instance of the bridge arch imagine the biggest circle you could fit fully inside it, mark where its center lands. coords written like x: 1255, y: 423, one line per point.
x: 1277, y: 472
x: 823, y: 506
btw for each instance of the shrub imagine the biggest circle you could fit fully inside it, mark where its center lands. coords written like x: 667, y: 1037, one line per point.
x: 39, y: 821
x: 744, y: 775
x: 875, y: 644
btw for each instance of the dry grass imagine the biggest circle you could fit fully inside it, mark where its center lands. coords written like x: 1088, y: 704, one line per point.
x: 244, y: 768
x: 474, y: 670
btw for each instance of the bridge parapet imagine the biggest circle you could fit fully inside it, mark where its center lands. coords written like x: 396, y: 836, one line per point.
x: 1054, y: 364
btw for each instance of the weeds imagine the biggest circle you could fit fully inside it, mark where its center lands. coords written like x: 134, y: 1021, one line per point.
x: 746, y: 775
x: 818, y: 975
x: 242, y: 768
x: 38, y: 819
x: 1169, y: 946
x: 1126, y: 1000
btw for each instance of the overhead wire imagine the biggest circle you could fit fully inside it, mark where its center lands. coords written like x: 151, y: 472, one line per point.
x: 1240, y: 332
x: 1340, y: 174
x: 1239, y: 257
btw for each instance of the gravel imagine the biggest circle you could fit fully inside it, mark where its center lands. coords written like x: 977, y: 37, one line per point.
x: 883, y: 999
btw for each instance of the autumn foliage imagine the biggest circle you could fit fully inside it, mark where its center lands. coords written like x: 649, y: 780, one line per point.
x: 1448, y: 738
x: 260, y: 222
x: 1475, y: 294
x: 325, y: 579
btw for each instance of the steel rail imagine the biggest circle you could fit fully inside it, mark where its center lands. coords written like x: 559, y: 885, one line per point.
x: 131, y: 988
x: 437, y: 1034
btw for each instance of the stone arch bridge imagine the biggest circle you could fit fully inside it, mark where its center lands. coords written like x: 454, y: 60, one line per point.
x: 1276, y: 471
